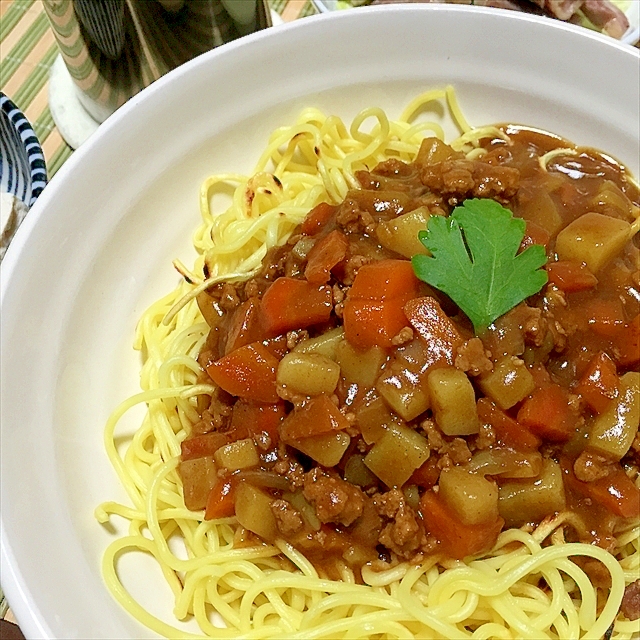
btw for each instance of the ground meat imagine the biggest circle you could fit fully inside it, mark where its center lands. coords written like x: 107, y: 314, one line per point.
x: 434, y: 435
x: 274, y: 263
x: 339, y: 293
x: 229, y: 299
x: 393, y: 168
x: 352, y: 266
x: 403, y: 534
x: 217, y: 417
x: 463, y: 178
x: 290, y: 469
x: 352, y: 218
x: 534, y: 326
x: 293, y: 337
x: 334, y: 499
x: 630, y: 605
x: 288, y: 518
x: 559, y: 335
x: 251, y: 288
x: 472, y: 358
x: 591, y: 466
x: 458, y: 451
x: 403, y: 336
x: 287, y: 394
x: 486, y: 437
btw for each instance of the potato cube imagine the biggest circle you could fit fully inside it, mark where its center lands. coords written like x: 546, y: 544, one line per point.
x: 401, y: 234
x: 473, y: 498
x: 594, y: 239
x: 241, y: 454
x: 520, y: 502
x: 404, y: 391
x: 397, y: 455
x: 309, y: 374
x: 253, y: 511
x: 613, y: 431
x: 508, y: 383
x: 453, y: 401
x: 326, y: 449
x: 324, y: 344
x: 359, y: 367
x: 199, y: 476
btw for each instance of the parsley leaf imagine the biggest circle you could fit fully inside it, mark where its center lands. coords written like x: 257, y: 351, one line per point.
x: 474, y: 260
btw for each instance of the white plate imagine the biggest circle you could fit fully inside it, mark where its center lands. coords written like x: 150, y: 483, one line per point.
x: 631, y: 9
x: 97, y: 247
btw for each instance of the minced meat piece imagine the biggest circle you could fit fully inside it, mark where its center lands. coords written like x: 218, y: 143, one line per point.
x: 465, y: 178
x: 229, y: 299
x: 403, y: 534
x: 458, y: 451
x: 288, y: 518
x: 335, y: 500
x: 591, y: 466
x: 472, y: 358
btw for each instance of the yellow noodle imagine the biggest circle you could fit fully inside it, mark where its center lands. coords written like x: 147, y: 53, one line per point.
x: 254, y: 590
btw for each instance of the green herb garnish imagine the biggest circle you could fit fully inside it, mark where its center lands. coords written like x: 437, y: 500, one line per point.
x: 475, y: 260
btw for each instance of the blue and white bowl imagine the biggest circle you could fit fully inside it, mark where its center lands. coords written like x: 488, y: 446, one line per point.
x: 23, y: 174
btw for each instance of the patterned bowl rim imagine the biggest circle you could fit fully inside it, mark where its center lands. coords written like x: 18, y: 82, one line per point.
x: 32, y: 149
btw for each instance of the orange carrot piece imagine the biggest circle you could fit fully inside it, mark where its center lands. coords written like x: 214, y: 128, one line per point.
x: 317, y: 416
x: 317, y: 218
x: 243, y: 326
x: 605, y: 317
x: 294, y: 304
x: 434, y: 326
x: 384, y: 280
x: 248, y: 372
x: 571, y: 276
x: 203, y: 445
x: 548, y: 414
x: 369, y: 323
x: 457, y: 540
x: 325, y: 254
x: 373, y: 311
x: 257, y: 418
x: 600, y: 383
x: 509, y: 433
x: 534, y: 234
x: 616, y: 492
x: 221, y: 501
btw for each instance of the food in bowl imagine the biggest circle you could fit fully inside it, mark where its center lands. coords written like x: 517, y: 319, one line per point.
x: 607, y: 16
x: 339, y: 444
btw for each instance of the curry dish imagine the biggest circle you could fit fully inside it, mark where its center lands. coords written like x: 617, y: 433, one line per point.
x: 359, y: 417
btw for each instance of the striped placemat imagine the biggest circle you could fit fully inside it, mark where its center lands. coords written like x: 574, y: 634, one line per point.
x: 27, y: 51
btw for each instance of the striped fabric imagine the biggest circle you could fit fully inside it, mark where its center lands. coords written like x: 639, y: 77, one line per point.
x: 27, y: 51
x: 22, y: 166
